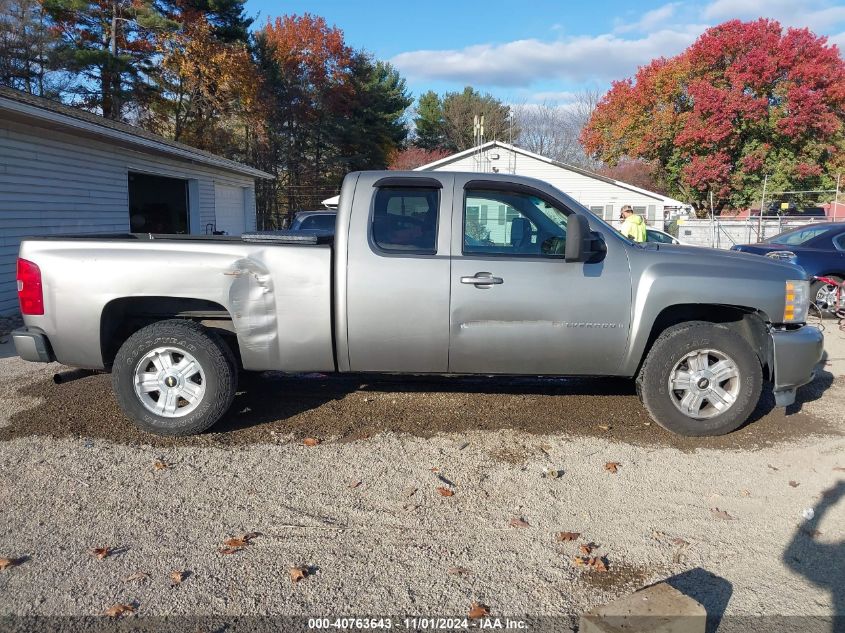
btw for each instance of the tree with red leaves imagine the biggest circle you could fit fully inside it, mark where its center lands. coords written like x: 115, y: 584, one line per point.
x: 413, y: 157
x: 747, y: 99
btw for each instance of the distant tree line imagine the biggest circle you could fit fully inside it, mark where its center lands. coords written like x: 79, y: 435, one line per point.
x: 292, y: 98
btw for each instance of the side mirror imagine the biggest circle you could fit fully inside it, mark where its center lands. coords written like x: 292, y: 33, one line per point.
x: 579, y: 239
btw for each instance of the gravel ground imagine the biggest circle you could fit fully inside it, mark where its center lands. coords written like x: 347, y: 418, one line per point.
x: 362, y: 513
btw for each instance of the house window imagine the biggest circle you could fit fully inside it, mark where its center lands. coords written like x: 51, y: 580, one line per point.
x: 157, y: 204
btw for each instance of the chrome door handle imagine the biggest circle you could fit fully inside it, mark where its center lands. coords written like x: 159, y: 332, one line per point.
x: 482, y: 279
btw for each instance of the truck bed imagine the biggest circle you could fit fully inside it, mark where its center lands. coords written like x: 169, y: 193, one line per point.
x: 276, y: 289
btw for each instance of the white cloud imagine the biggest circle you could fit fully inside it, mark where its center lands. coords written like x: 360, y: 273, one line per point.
x: 817, y: 15
x: 839, y: 40
x: 522, y: 62
x: 650, y: 19
x: 661, y: 32
x: 553, y: 96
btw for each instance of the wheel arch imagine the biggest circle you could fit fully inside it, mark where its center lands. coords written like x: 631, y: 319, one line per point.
x: 746, y: 321
x: 122, y: 317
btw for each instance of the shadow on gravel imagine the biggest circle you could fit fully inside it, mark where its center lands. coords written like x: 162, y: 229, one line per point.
x: 709, y: 590
x: 274, y: 407
x: 821, y: 563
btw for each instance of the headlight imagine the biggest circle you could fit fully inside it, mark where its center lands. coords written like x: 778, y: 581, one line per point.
x: 783, y: 256
x: 797, y: 301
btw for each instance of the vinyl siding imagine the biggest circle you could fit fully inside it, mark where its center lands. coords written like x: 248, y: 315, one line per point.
x: 591, y: 192
x: 53, y: 182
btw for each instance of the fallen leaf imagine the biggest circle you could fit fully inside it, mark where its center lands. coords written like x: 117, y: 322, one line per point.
x: 410, y: 492
x: 811, y: 533
x: 310, y: 441
x: 101, y: 552
x: 604, y: 427
x: 840, y: 469
x: 241, y: 541
x: 772, y: 467
x: 5, y: 563
x: 355, y: 484
x: 646, y: 423
x: 745, y: 493
x: 794, y: 484
x: 567, y: 536
x: 298, y: 573
x: 478, y: 611
x: 138, y: 575
x: 410, y: 507
x: 586, y: 549
x: 598, y: 564
x: 444, y: 492
x: 119, y: 610
x: 657, y: 535
x: 612, y: 467
x: 160, y: 465
x: 721, y: 514
x: 230, y: 550
x: 176, y: 577
x: 518, y: 522
x: 680, y: 541
x: 459, y: 571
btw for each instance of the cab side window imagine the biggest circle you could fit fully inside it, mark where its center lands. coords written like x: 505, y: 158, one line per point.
x: 405, y: 219
x: 517, y: 224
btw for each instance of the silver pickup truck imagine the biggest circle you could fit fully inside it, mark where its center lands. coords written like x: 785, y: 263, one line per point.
x: 435, y: 273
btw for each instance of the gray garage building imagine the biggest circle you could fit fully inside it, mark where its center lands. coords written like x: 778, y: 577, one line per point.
x: 63, y: 170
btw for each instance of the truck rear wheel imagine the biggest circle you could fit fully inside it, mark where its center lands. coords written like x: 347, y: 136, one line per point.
x: 174, y: 377
x: 699, y: 379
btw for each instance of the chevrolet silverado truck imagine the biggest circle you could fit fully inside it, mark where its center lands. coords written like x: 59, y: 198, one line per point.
x: 426, y: 273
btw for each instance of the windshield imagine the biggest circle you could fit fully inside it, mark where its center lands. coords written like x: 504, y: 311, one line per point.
x: 798, y: 236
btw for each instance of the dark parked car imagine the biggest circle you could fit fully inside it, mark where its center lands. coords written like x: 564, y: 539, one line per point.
x: 817, y: 248
x: 322, y: 221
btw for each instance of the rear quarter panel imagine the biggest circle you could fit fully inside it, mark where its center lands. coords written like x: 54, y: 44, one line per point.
x: 279, y: 297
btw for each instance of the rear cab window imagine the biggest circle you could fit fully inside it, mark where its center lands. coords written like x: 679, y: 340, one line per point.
x: 404, y: 219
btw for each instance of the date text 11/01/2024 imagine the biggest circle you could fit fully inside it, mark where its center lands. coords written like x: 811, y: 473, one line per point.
x: 418, y: 624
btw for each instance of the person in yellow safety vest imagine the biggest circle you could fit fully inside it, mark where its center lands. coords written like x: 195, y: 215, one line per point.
x: 633, y: 226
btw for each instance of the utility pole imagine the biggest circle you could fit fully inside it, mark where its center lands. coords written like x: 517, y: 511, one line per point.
x: 836, y: 197
x: 762, y: 205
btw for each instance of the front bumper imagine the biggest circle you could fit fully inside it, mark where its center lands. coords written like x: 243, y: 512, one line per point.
x: 33, y: 345
x: 795, y: 354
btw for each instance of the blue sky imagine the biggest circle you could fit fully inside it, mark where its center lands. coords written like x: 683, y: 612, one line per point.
x: 538, y: 50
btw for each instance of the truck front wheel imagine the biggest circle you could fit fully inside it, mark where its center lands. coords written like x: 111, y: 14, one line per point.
x: 174, y: 377
x: 699, y: 379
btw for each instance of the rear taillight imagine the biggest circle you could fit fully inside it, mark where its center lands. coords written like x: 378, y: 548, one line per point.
x: 30, y: 293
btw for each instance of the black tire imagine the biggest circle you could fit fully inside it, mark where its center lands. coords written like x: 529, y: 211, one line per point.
x: 815, y: 287
x: 669, y: 349
x: 210, y: 352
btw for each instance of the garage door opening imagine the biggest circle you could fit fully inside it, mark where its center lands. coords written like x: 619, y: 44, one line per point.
x: 157, y: 204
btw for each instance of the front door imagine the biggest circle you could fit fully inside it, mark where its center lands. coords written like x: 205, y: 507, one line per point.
x: 517, y: 307
x: 397, y: 281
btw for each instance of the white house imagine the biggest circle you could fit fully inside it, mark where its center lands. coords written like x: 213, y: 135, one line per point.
x: 602, y: 195
x: 63, y: 170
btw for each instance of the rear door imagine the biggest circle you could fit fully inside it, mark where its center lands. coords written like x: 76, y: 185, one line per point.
x: 397, y: 281
x: 517, y: 307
